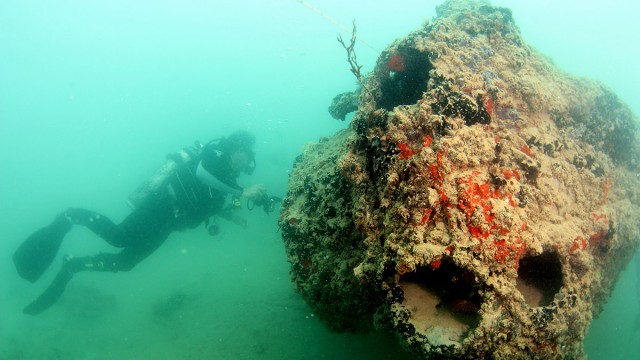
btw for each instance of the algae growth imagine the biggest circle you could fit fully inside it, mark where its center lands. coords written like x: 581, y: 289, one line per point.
x: 482, y: 202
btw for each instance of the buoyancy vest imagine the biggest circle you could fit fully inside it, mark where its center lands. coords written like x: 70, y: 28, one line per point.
x: 158, y: 182
x: 194, y: 199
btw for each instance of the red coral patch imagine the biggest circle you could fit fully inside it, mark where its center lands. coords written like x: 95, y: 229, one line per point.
x: 396, y: 63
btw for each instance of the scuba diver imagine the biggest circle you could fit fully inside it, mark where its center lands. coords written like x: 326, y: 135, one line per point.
x: 189, y: 189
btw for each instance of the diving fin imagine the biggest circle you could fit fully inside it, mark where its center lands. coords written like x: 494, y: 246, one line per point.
x: 51, y: 295
x: 37, y: 252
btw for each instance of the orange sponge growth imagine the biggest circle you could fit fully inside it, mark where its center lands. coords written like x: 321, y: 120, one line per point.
x: 396, y: 63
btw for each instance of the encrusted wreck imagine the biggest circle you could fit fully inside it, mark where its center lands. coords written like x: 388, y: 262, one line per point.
x: 482, y: 203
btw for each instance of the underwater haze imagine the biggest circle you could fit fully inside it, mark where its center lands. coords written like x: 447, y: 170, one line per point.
x: 95, y: 94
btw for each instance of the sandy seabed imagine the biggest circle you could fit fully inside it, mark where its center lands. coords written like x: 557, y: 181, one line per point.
x: 197, y: 297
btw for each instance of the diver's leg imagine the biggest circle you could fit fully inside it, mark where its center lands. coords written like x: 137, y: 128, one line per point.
x: 98, y: 224
x: 71, y: 266
x: 146, y: 221
x: 126, y: 260
x: 37, y: 252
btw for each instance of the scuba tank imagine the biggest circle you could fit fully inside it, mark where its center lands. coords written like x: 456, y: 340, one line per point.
x: 161, y: 177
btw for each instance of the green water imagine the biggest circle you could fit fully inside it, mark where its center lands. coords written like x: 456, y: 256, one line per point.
x: 94, y: 94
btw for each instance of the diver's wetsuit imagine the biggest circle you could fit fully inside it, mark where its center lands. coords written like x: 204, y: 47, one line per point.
x: 184, y: 202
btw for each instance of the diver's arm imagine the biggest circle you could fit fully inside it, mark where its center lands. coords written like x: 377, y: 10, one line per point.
x: 206, y: 178
x: 254, y: 191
